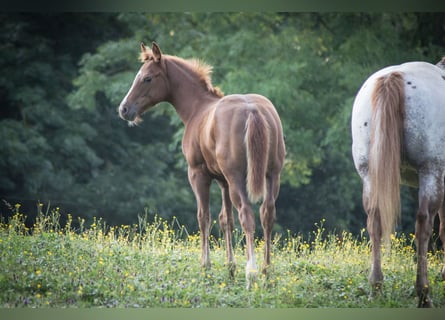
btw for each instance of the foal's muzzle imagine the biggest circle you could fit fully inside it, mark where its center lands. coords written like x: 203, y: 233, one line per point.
x: 126, y: 113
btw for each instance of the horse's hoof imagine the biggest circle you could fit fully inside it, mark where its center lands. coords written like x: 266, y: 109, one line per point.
x: 425, y: 303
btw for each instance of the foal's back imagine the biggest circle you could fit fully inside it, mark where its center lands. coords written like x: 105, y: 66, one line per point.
x: 223, y: 133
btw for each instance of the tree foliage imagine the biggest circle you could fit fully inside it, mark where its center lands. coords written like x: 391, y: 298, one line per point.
x: 62, y: 141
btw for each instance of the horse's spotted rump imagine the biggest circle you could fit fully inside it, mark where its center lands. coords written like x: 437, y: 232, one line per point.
x: 412, y: 126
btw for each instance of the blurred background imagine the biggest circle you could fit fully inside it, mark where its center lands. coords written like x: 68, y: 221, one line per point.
x: 63, y: 76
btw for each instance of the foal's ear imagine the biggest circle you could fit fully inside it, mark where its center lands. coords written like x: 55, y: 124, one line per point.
x: 143, y: 48
x: 156, y: 52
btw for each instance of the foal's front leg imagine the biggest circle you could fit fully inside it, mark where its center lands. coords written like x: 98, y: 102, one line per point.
x: 200, y: 182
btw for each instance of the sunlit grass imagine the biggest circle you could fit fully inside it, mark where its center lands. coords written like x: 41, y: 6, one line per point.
x: 156, y: 264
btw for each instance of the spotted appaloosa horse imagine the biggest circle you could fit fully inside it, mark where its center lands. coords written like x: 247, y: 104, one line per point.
x: 398, y: 133
x: 236, y: 140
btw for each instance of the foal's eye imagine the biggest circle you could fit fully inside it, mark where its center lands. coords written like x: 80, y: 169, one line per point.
x: 147, y: 79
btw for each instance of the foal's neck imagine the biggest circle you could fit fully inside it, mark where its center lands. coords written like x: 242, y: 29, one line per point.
x: 187, y: 93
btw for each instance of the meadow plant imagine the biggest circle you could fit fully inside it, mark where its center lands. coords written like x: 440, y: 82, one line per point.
x: 155, y: 263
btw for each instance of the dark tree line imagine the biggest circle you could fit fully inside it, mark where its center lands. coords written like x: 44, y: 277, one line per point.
x: 63, y: 76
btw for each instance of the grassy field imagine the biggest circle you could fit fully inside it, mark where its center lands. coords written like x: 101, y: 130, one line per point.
x: 156, y: 264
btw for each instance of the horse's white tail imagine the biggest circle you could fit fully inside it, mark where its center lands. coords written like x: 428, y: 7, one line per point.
x: 257, y: 146
x: 388, y: 113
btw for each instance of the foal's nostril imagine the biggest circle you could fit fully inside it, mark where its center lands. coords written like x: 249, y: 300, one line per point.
x: 124, y: 110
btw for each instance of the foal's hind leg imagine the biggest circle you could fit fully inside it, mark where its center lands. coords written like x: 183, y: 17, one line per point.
x: 268, y: 216
x: 227, y: 225
x: 431, y: 192
x: 238, y: 195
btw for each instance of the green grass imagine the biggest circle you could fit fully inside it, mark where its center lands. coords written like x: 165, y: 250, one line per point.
x: 156, y: 264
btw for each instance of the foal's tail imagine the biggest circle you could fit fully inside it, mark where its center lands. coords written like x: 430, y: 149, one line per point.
x: 388, y: 113
x: 257, y: 144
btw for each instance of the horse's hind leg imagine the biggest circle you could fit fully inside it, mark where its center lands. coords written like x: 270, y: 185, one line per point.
x: 442, y: 236
x: 268, y: 216
x: 431, y: 193
x: 227, y: 225
x: 375, y: 233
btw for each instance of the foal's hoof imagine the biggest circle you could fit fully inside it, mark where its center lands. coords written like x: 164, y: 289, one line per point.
x: 376, y: 290
x: 251, y: 277
x: 232, y: 269
x: 206, y: 265
x: 267, y: 270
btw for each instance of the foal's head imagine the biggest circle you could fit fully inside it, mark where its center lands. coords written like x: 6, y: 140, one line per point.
x: 149, y: 87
